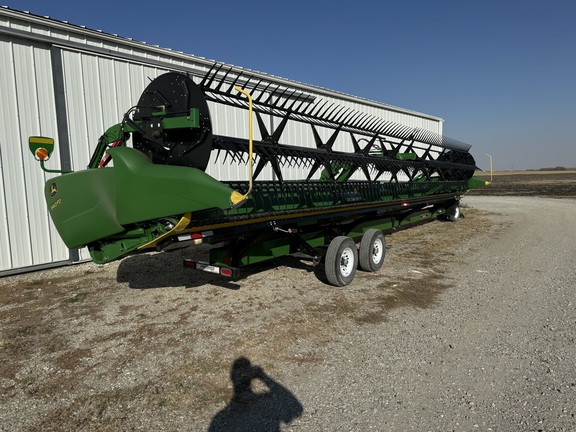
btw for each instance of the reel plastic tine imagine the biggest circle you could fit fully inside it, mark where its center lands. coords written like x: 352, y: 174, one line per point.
x: 396, y: 131
x: 399, y: 131
x: 342, y: 116
x: 348, y: 117
x: 308, y: 109
x: 388, y: 126
x: 334, y: 113
x: 315, y: 108
x: 367, y: 121
x: 425, y: 137
x: 219, y: 80
x: 211, y: 73
x: 238, y: 157
x: 203, y: 80
x: 262, y: 92
x: 274, y: 89
x: 353, y: 118
x: 223, y: 79
x: 320, y: 113
x: 304, y: 100
x: 294, y: 100
x: 288, y: 98
x: 382, y: 126
x: 280, y: 96
x: 225, y: 156
x: 233, y: 85
x: 248, y: 85
x: 328, y: 113
x: 255, y: 88
x: 375, y: 124
x: 361, y: 120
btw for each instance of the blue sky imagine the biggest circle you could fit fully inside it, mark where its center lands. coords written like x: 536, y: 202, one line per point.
x: 502, y: 73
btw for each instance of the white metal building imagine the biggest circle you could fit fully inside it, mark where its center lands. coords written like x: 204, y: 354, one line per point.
x: 72, y: 83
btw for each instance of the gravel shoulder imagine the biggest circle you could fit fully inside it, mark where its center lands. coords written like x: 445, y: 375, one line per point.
x: 497, y: 352
x: 469, y: 326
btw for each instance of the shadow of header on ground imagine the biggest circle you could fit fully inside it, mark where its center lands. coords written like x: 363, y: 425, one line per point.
x: 165, y: 269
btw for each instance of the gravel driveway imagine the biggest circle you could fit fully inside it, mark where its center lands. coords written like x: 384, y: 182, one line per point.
x: 498, y: 353
x: 469, y: 326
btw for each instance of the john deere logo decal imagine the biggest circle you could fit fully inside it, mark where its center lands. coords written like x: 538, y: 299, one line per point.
x: 53, y: 189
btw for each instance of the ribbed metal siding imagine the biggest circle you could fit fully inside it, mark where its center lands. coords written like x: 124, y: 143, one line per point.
x: 98, y: 91
x: 27, y: 237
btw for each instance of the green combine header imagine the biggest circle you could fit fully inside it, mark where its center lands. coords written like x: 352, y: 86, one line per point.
x: 146, y: 188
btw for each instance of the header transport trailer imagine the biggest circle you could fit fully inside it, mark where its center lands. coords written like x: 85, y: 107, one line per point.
x: 156, y: 195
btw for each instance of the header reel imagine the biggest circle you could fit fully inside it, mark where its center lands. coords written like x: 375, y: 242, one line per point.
x: 381, y: 150
x: 171, y: 96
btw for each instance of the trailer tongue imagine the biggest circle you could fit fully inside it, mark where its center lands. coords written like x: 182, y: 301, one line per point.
x: 156, y: 195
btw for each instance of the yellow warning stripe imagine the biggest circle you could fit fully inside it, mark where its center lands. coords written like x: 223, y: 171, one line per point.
x: 41, y: 140
x: 178, y: 229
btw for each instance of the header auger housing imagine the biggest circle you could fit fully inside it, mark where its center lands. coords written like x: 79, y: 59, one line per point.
x: 156, y: 195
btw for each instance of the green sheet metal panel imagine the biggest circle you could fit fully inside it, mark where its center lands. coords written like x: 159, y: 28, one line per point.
x: 82, y: 206
x: 146, y: 191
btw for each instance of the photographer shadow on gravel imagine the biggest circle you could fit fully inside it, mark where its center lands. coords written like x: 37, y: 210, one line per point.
x: 255, y: 411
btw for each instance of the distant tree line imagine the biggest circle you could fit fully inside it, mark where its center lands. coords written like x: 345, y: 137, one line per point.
x: 554, y: 169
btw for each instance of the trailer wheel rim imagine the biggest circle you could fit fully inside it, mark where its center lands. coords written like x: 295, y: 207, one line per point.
x: 456, y: 212
x: 347, y: 262
x: 377, y: 251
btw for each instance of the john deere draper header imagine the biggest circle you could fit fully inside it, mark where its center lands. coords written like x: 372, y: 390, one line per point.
x: 146, y: 188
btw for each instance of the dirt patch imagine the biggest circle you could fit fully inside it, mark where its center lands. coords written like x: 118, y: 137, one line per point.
x: 110, y: 347
x: 561, y: 184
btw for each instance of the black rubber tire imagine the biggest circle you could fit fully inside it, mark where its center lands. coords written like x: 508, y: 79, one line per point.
x: 372, y: 250
x: 454, y: 213
x: 341, y: 261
